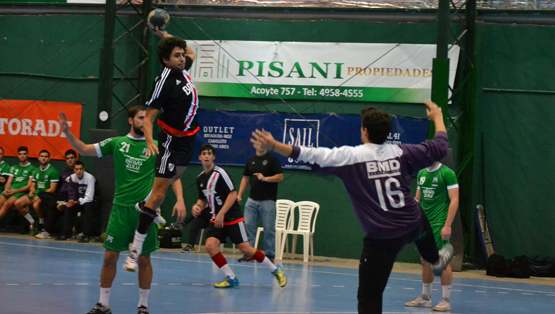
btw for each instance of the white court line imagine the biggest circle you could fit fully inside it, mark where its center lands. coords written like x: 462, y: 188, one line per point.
x: 525, y: 293
x: 36, y: 284
x: 174, y: 284
x: 503, y: 292
x: 82, y: 284
x: 408, y: 288
x: 199, y: 284
x: 127, y: 284
x: 338, y: 286
x: 58, y: 284
x: 296, y: 270
x: 478, y: 291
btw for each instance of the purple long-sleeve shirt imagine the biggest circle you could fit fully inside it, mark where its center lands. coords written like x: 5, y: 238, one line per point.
x: 377, y: 180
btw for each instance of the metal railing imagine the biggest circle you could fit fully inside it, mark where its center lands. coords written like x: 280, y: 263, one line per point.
x: 407, y: 4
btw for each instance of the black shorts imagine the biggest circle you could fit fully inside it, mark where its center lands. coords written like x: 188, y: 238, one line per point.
x: 236, y: 232
x: 175, y: 152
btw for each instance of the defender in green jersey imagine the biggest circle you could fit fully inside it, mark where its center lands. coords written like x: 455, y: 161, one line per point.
x: 4, y: 170
x: 134, y: 175
x: 45, y: 179
x: 438, y: 194
x: 20, y: 179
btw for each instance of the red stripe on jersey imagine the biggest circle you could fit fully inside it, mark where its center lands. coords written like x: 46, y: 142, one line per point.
x: 193, y: 112
x: 233, y: 222
x: 172, y: 131
x: 211, y: 185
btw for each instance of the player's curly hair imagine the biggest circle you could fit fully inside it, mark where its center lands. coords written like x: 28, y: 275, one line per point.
x: 166, y: 45
x: 378, y: 124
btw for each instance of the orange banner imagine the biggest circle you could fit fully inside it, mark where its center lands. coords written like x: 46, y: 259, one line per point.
x: 34, y: 124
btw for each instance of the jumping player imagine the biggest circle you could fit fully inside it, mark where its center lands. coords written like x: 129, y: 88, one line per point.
x: 175, y: 94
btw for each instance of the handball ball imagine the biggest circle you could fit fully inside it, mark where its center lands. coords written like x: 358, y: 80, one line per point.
x: 158, y: 18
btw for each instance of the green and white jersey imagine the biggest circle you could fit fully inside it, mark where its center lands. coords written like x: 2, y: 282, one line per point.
x: 4, y: 170
x: 21, y: 175
x: 134, y: 172
x: 434, y: 186
x: 44, y: 178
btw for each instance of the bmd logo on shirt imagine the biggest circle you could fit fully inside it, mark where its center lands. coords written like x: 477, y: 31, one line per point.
x: 301, y: 132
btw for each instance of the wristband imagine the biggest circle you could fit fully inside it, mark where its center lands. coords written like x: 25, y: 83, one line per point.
x: 275, y: 145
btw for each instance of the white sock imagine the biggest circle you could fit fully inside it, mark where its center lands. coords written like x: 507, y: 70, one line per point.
x: 227, y: 271
x: 138, y: 242
x: 268, y: 264
x: 446, y: 292
x: 143, y: 297
x: 427, y: 290
x: 29, y: 218
x: 105, y: 297
x: 41, y: 221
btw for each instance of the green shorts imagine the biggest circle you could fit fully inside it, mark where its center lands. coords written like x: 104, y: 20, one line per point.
x: 18, y: 195
x: 121, y: 231
x: 437, y: 236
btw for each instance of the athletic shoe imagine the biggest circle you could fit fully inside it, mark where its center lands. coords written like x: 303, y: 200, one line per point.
x: 419, y: 302
x: 142, y: 310
x: 178, y: 225
x: 443, y: 306
x: 445, y: 256
x: 99, y: 309
x: 61, y: 205
x: 227, y: 283
x: 189, y: 248
x: 43, y: 235
x: 278, y: 273
x: 159, y: 220
x: 62, y: 237
x: 84, y: 239
x: 245, y: 258
x: 132, y: 261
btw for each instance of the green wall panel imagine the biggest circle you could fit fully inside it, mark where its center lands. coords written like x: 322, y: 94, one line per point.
x: 66, y: 49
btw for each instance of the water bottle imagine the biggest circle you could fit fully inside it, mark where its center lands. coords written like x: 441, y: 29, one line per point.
x: 73, y: 232
x: 31, y: 230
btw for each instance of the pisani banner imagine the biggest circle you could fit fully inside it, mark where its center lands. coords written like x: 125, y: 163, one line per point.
x: 316, y: 71
x: 230, y: 133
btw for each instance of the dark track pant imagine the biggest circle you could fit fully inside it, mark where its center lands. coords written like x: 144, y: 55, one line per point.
x: 378, y: 257
x: 70, y: 215
x: 197, y: 223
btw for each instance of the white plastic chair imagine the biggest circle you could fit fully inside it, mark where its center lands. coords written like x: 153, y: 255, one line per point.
x: 283, y: 208
x: 308, y: 212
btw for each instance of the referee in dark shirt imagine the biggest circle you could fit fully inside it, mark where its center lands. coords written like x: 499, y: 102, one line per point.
x: 263, y: 172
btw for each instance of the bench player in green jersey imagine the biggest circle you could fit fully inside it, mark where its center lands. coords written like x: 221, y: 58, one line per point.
x: 45, y: 179
x: 20, y: 180
x: 134, y: 176
x: 4, y: 170
x: 438, y: 193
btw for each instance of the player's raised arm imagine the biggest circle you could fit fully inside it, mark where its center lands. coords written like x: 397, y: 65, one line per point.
x: 150, y: 116
x: 264, y: 139
x: 435, y: 114
x: 80, y: 147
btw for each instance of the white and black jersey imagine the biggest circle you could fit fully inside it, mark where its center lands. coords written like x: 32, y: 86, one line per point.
x: 175, y: 94
x: 214, y: 187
